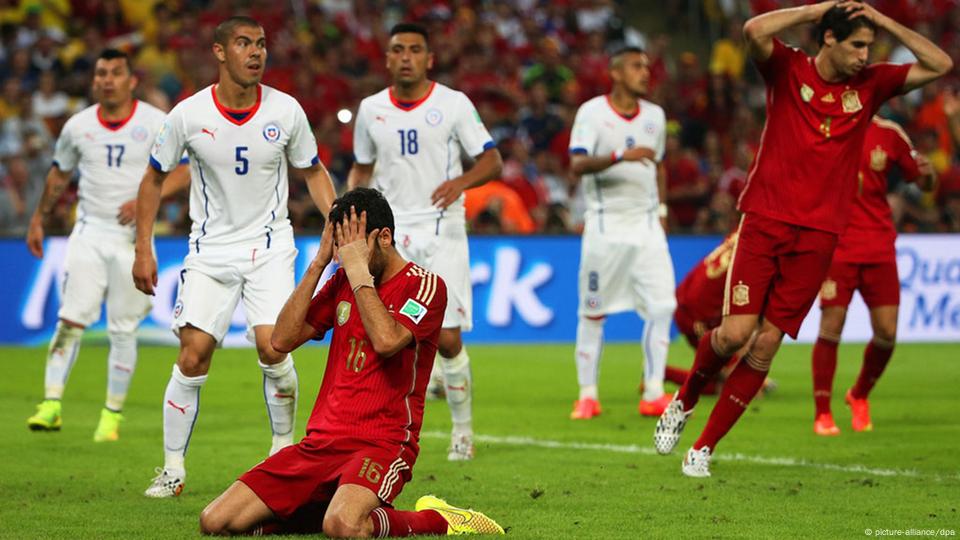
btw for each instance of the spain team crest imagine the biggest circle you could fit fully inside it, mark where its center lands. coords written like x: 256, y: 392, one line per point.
x: 851, y: 101
x: 829, y: 290
x: 741, y: 294
x: 343, y: 312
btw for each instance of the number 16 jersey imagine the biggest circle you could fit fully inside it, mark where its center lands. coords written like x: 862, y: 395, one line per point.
x: 238, y: 165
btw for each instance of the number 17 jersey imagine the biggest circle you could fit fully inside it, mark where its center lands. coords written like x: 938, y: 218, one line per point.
x: 238, y: 166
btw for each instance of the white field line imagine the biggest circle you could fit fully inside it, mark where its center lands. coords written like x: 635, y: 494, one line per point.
x: 514, y: 440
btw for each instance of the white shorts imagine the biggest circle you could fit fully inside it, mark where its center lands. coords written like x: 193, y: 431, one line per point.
x: 98, y: 267
x: 626, y: 270
x: 214, y: 281
x: 441, y: 247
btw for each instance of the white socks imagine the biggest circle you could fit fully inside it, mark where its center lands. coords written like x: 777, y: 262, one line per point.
x: 181, y: 403
x: 280, y: 385
x: 60, y: 358
x: 656, y: 342
x: 589, y: 346
x: 121, y: 362
x: 459, y: 381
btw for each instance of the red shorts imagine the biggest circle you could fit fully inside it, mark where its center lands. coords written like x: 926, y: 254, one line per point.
x: 776, y: 271
x: 691, y: 327
x: 299, y: 475
x: 878, y: 283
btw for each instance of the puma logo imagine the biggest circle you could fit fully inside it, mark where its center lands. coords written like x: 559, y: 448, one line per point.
x: 279, y: 395
x: 212, y: 134
x: 462, y: 388
x: 123, y: 368
x: 183, y: 410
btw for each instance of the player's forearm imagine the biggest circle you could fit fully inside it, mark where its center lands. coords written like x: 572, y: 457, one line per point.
x: 928, y: 55
x: 359, y: 175
x: 288, y: 332
x: 148, y: 203
x: 56, y: 183
x: 489, y: 166
x: 662, y: 183
x: 387, y: 336
x: 321, y: 189
x: 582, y: 164
x: 177, y: 181
x: 760, y: 30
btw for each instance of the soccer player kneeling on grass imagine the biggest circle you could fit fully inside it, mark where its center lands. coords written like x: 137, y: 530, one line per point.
x: 363, y: 433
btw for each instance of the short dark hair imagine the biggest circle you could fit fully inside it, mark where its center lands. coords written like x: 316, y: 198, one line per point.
x: 379, y: 214
x: 225, y: 29
x: 411, y: 28
x: 842, y: 26
x: 113, y: 54
x: 618, y: 54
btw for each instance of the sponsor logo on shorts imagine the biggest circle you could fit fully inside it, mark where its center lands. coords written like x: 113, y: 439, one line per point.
x: 741, y: 294
x: 178, y: 309
x: 414, y: 310
x: 271, y: 132
x: 139, y: 133
x: 434, y: 117
x: 343, y: 312
x: 851, y: 101
x: 829, y: 290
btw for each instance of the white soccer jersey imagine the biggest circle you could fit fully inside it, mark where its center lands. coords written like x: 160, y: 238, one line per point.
x: 110, y: 158
x: 417, y: 148
x: 238, y: 167
x: 627, y: 188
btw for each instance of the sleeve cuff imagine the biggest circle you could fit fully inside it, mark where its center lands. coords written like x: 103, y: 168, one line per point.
x: 156, y: 165
x: 578, y: 150
x: 184, y: 161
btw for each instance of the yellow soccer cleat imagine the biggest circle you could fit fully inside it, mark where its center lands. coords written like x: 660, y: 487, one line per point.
x: 459, y: 520
x: 47, y: 417
x: 109, y: 427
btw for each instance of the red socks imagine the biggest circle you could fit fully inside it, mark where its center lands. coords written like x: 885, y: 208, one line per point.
x: 676, y: 375
x: 706, y: 365
x: 824, y: 368
x: 875, y: 359
x: 739, y: 389
x: 390, y: 522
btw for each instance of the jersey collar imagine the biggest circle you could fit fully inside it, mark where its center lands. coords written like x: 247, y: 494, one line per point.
x: 409, y: 106
x: 226, y: 112
x: 116, y: 125
x: 618, y: 113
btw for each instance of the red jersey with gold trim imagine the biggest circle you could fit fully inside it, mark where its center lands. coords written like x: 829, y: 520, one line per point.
x: 363, y: 396
x: 805, y: 172
x: 700, y: 294
x: 870, y: 235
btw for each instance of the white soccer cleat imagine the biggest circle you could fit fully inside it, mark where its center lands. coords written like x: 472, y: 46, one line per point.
x: 670, y: 426
x: 165, y: 484
x: 697, y: 463
x: 461, y: 447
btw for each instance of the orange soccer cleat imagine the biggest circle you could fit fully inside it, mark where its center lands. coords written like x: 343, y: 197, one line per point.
x: 825, y: 426
x: 861, y: 413
x: 585, y: 409
x: 655, y: 407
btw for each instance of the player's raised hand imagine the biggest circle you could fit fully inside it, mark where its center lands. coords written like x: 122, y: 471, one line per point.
x: 145, y: 273
x: 35, y: 236
x: 856, y: 8
x: 325, y: 253
x: 128, y: 212
x: 640, y: 153
x: 355, y: 247
x: 446, y: 193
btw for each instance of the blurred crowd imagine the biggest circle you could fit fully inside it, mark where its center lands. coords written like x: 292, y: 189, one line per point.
x: 526, y: 64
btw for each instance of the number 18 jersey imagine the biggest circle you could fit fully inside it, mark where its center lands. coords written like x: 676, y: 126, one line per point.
x: 238, y: 165
x: 417, y: 146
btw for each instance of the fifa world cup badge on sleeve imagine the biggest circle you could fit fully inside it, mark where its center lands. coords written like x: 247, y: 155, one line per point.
x: 741, y: 294
x: 414, y: 311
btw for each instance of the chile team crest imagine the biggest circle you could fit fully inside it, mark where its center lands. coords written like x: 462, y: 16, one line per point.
x: 271, y: 132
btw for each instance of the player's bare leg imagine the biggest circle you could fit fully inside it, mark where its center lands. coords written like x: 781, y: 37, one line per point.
x: 280, y: 388
x: 714, y: 351
x: 237, y: 511
x: 877, y: 355
x: 459, y: 382
x: 832, y: 319
x: 181, y: 404
x: 349, y: 513
x: 588, y: 349
x: 61, y: 355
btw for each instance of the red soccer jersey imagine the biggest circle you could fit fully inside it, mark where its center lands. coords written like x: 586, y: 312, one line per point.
x: 363, y: 396
x: 805, y: 172
x: 700, y: 293
x: 870, y: 235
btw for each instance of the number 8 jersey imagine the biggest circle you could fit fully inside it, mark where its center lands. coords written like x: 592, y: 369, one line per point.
x: 417, y: 147
x: 238, y: 165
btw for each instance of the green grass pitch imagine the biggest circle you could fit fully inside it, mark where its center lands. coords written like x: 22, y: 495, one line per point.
x: 538, y: 473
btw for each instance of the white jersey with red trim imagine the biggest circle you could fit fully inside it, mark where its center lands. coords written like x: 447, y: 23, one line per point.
x: 238, y: 165
x: 624, y: 189
x: 417, y: 146
x: 110, y: 158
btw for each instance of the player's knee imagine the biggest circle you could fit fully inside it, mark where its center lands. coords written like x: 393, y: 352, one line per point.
x: 269, y: 355
x: 335, y: 526
x: 449, y: 344
x: 885, y: 332
x: 213, y: 523
x: 731, y: 338
x: 192, y: 363
x: 662, y: 310
x: 767, y: 342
